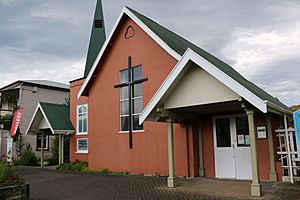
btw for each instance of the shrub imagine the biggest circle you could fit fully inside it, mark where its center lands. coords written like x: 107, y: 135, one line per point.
x: 8, y: 176
x: 54, y: 152
x: 28, y: 158
x: 75, y: 166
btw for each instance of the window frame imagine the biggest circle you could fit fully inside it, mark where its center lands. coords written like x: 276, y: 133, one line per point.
x: 46, y: 148
x: 82, y: 151
x: 77, y: 119
x: 127, y: 99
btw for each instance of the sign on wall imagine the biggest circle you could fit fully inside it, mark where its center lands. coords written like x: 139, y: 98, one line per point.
x: 296, y: 116
x: 261, y: 132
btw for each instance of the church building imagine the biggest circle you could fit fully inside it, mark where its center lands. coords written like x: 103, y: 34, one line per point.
x: 152, y: 102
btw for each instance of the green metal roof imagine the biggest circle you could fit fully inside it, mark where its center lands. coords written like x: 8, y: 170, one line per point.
x: 180, y: 45
x: 97, y: 38
x: 58, y: 116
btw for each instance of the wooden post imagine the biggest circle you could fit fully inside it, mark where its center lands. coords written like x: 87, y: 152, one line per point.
x: 62, y: 148
x: 200, y: 149
x: 42, y: 148
x: 288, y: 149
x: 59, y: 149
x: 171, y: 178
x: 272, y: 173
x: 255, y: 186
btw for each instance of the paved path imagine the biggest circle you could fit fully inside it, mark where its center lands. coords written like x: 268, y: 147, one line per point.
x: 51, y: 184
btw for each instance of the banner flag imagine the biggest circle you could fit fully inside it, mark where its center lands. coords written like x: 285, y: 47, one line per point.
x: 16, y: 122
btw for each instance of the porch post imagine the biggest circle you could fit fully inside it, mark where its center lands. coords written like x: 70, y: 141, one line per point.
x: 42, y: 148
x: 171, y: 178
x: 272, y: 174
x: 59, y: 149
x: 255, y: 186
x: 62, y: 148
x: 200, y: 146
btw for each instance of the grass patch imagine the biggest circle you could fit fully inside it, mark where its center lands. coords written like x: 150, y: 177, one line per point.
x: 75, y: 166
x: 83, y: 167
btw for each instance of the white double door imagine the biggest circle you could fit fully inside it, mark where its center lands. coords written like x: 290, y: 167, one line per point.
x: 232, y: 147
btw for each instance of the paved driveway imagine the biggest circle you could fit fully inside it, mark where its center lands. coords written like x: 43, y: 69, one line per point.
x: 51, y: 184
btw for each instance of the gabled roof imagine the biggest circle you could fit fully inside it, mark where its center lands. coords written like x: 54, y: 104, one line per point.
x: 180, y: 45
x: 176, y: 46
x: 57, y: 117
x: 46, y: 83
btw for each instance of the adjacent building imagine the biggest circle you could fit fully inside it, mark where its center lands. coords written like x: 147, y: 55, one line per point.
x: 27, y: 94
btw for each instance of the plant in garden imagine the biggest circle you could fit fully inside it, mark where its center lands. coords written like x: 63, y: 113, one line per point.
x: 54, y: 152
x: 8, y: 176
x: 28, y: 158
x: 75, y: 166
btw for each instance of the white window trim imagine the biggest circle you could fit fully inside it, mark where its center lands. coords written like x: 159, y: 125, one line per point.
x: 133, y: 114
x: 87, y: 120
x: 82, y: 151
x: 47, y: 143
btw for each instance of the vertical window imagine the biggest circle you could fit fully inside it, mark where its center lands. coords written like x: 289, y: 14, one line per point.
x: 242, y: 131
x: 82, y: 119
x: 39, y: 144
x: 223, y: 132
x: 82, y: 145
x: 137, y: 100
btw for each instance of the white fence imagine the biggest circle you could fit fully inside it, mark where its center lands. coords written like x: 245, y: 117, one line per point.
x: 288, y: 154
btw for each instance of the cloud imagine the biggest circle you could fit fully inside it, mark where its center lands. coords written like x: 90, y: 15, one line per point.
x: 255, y: 51
x: 49, y: 39
x: 287, y: 91
x: 268, y: 54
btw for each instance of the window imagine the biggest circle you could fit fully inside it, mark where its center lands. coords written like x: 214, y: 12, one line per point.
x: 39, y: 144
x: 82, y: 145
x: 137, y: 100
x: 223, y: 132
x: 242, y: 131
x: 82, y: 119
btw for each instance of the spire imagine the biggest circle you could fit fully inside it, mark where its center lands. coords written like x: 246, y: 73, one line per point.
x: 97, y: 38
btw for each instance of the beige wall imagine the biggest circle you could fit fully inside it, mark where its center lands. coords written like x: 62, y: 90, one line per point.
x: 29, y: 101
x: 197, y: 87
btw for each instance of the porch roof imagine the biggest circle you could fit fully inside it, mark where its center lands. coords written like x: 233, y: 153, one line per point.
x: 180, y: 45
x: 258, y: 98
x: 55, y: 117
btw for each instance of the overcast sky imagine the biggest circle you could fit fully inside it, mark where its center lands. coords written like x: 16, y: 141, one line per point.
x: 48, y: 39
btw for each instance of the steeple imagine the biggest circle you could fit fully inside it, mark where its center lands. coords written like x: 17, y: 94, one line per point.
x: 97, y: 38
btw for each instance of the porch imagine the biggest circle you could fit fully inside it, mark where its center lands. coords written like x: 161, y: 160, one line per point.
x: 51, y: 119
x: 197, y: 89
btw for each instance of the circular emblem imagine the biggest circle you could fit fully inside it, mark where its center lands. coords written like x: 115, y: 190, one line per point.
x: 130, y: 32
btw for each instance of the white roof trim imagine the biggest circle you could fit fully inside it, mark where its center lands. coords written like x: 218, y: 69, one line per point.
x: 142, y: 26
x: 278, y: 108
x: 212, y: 70
x: 35, y: 112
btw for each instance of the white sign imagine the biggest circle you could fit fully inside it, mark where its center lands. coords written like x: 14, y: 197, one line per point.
x: 241, y: 139
x: 261, y: 132
x: 9, y: 148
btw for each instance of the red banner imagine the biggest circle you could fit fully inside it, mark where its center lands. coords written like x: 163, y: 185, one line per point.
x: 16, y: 122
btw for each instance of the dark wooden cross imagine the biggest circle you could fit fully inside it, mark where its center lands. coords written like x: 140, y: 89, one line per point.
x: 130, y: 83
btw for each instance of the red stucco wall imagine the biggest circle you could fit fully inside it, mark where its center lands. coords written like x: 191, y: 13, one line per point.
x: 75, y: 87
x: 208, y: 147
x: 107, y: 147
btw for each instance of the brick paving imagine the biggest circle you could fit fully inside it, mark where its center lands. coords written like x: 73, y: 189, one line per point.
x: 51, y: 184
